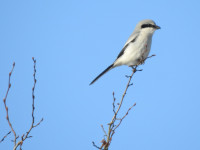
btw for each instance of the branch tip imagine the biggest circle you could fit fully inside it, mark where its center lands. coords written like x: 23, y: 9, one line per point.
x: 26, y: 135
x: 115, y: 122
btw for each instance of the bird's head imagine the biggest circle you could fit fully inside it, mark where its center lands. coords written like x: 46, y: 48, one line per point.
x: 147, y: 26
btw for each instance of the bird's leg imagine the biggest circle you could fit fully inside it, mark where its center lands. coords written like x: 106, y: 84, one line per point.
x: 132, y: 66
x: 142, y: 60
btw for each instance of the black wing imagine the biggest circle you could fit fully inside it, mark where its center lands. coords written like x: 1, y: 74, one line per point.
x: 122, y: 51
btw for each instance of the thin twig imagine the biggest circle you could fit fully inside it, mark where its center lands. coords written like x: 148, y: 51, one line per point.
x: 120, y: 104
x: 24, y: 137
x: 96, y: 146
x: 114, y: 99
x: 5, y: 136
x: 113, y: 132
x: 33, y: 125
x: 21, y: 143
x: 103, y: 144
x: 103, y: 130
x: 33, y: 100
x: 4, y: 100
x: 112, y: 127
x: 150, y: 56
x: 38, y: 123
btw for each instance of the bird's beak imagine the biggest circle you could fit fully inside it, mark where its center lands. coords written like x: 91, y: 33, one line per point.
x: 157, y: 27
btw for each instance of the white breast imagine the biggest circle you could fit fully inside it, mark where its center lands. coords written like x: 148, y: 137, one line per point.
x: 136, y: 51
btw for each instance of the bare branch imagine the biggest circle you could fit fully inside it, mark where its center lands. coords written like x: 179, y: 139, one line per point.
x: 4, y: 100
x: 33, y: 125
x: 103, y: 130
x: 96, y: 146
x: 5, y: 136
x: 111, y: 126
x: 18, y: 144
x: 150, y: 56
x: 38, y: 123
x: 114, y: 102
x: 24, y: 137
x: 33, y: 99
x: 113, y: 132
x: 103, y: 144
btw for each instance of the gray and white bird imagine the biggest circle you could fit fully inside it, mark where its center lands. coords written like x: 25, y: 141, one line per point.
x: 136, y: 48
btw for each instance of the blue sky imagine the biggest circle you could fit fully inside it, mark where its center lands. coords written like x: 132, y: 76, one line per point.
x: 73, y: 41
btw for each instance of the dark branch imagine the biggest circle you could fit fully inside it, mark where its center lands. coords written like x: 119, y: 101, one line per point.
x: 24, y: 137
x: 4, y: 100
x: 103, y: 144
x: 103, y: 130
x: 111, y: 126
x: 122, y: 119
x: 5, y: 136
x: 33, y: 125
x: 96, y: 145
x: 114, y: 102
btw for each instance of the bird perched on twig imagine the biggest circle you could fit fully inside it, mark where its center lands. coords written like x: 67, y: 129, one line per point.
x: 137, y: 47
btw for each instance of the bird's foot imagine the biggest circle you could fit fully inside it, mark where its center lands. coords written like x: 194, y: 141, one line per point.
x: 142, y: 60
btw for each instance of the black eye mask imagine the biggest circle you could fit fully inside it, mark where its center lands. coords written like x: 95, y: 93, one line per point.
x: 149, y: 26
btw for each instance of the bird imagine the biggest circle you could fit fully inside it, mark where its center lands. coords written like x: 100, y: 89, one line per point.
x: 137, y: 47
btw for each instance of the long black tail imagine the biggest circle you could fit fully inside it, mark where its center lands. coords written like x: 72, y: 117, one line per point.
x: 106, y: 70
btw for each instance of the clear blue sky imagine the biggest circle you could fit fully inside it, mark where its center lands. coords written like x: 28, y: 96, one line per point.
x: 73, y: 41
